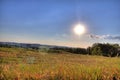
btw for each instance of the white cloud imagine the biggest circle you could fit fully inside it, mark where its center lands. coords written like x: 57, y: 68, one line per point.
x: 111, y: 37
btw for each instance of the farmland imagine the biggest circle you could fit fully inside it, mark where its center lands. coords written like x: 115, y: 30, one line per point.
x: 30, y: 64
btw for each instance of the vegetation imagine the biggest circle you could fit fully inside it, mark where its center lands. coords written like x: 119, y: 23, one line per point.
x: 108, y: 50
x: 29, y: 64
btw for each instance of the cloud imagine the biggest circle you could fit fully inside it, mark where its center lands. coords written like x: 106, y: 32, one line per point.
x: 114, y: 37
x: 111, y: 37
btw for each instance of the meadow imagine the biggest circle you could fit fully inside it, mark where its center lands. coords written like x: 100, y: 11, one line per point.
x: 29, y: 64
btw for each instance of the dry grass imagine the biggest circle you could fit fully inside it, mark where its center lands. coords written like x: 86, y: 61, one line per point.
x: 21, y: 64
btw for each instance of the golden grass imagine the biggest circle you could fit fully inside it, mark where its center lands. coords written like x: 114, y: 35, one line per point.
x: 15, y: 65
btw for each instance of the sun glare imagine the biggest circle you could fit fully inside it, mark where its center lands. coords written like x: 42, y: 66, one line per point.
x: 79, y: 29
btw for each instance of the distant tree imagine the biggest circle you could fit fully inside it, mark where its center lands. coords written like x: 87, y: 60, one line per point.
x: 110, y: 50
x: 96, y: 51
x: 89, y: 50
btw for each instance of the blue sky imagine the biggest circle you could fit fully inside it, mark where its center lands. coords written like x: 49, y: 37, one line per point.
x: 52, y: 21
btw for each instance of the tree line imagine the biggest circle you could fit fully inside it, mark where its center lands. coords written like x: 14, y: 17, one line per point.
x: 108, y: 50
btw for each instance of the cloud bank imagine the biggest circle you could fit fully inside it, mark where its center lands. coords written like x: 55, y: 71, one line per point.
x: 111, y: 37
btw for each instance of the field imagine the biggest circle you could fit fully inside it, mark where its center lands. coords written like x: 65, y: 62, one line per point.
x: 28, y: 64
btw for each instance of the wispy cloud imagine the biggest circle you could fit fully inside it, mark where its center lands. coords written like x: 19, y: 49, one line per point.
x: 111, y: 37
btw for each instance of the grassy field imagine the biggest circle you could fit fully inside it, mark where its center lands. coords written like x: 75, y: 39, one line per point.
x: 27, y: 64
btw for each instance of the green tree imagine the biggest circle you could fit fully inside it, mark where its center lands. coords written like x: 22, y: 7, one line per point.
x: 96, y: 51
x: 110, y: 50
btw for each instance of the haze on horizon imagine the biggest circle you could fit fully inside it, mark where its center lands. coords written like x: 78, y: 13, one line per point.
x: 52, y: 22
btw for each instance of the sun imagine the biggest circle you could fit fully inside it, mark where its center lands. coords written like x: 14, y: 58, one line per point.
x: 79, y: 29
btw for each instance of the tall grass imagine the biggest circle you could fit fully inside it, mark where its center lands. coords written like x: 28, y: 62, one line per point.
x: 15, y: 65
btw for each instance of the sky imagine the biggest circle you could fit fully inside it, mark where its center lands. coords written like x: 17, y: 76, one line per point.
x: 52, y: 21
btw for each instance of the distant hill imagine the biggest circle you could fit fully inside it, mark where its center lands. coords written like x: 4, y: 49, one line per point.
x: 48, y: 48
x: 28, y: 45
